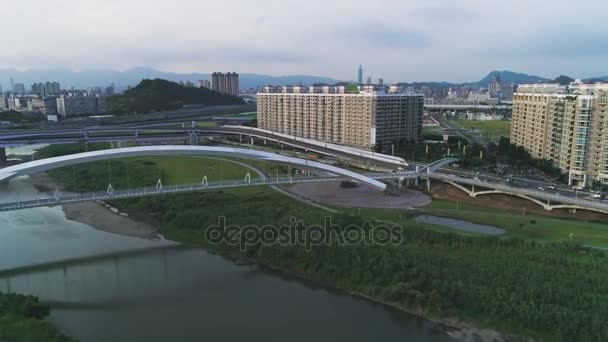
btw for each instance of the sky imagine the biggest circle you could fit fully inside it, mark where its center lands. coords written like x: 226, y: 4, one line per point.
x: 398, y: 40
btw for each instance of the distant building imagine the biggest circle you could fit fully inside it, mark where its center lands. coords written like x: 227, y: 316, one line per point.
x: 494, y: 86
x: 47, y: 105
x: 46, y: 89
x: 360, y: 74
x: 204, y: 84
x: 225, y: 83
x: 506, y: 91
x: 369, y: 80
x: 380, y: 82
x: 79, y: 105
x: 19, y: 89
x: 477, y: 97
x: 364, y: 116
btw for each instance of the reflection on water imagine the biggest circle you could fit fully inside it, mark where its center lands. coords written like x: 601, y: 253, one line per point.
x: 41, y: 235
x: 177, y: 294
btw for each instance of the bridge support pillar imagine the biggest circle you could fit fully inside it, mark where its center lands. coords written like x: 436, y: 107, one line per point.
x: 428, y: 184
x: 400, y: 182
x: 2, y: 155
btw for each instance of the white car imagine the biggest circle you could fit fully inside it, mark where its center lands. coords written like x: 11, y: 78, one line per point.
x: 541, y: 188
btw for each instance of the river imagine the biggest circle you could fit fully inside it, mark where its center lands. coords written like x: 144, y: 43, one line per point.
x: 100, y: 293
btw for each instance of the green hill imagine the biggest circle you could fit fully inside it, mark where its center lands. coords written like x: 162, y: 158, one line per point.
x: 157, y: 94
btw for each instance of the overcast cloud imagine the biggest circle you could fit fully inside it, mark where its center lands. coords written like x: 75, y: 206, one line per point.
x: 395, y: 39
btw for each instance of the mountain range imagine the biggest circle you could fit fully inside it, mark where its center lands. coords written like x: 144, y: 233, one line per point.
x: 123, y: 79
x: 131, y: 77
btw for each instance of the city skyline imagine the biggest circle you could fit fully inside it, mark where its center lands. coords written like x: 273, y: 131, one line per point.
x: 434, y: 41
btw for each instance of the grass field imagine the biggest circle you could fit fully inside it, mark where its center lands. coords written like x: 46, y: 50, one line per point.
x: 431, y: 130
x: 495, y: 129
x: 207, y: 124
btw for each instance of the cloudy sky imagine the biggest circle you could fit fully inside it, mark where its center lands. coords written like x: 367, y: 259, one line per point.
x: 408, y: 40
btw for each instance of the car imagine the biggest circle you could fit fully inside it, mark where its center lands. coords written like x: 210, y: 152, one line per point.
x: 541, y: 188
x: 551, y: 187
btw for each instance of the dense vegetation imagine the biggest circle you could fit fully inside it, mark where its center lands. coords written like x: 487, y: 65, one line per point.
x: 157, y: 95
x: 518, y: 155
x: 550, y: 291
x: 20, y: 118
x: 455, y: 146
x: 22, y: 319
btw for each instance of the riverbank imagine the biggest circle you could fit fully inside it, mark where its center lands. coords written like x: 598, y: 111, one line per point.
x: 104, y: 217
x: 98, y: 215
x: 456, y: 329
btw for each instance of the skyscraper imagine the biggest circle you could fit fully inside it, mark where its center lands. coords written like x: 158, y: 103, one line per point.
x: 360, y: 75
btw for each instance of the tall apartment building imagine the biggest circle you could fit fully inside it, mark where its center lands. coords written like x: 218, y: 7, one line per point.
x: 46, y: 89
x: 565, y: 124
x: 46, y: 106
x: 203, y: 84
x: 225, y: 83
x: 80, y: 105
x: 363, y: 116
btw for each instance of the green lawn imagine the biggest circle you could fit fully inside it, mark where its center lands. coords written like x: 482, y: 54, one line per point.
x: 431, y: 130
x: 207, y: 124
x: 495, y: 129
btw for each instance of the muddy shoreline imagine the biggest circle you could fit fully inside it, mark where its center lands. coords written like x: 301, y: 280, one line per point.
x: 98, y: 215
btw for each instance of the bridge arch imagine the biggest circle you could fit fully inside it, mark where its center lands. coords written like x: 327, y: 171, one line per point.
x: 500, y: 192
x: 172, y: 150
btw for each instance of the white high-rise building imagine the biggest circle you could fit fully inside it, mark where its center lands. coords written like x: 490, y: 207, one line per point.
x: 364, y: 116
x: 565, y: 124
